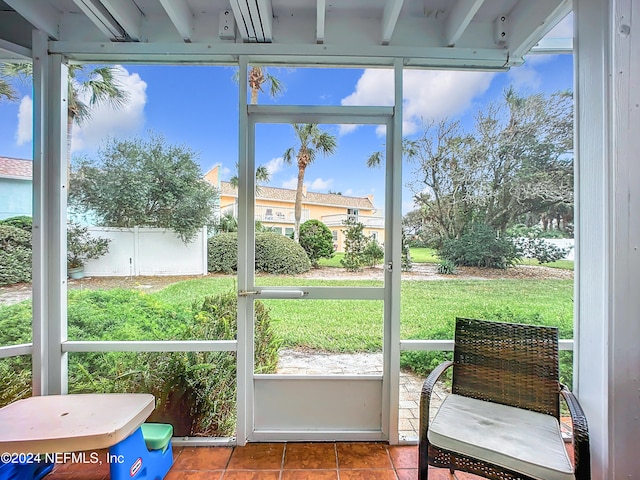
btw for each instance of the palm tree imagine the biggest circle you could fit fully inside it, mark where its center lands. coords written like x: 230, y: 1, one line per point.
x: 258, y: 76
x: 101, y: 83
x: 311, y: 141
x: 7, y: 92
x: 262, y: 176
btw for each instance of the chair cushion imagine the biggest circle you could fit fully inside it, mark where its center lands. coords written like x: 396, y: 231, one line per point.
x: 520, y: 440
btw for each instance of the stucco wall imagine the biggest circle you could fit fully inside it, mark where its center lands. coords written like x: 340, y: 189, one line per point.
x: 15, y: 198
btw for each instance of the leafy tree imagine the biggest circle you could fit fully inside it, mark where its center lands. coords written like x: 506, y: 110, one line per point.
x: 355, y: 243
x: 100, y: 83
x: 517, y: 162
x: 317, y: 240
x: 373, y: 253
x: 145, y: 183
x: 311, y: 141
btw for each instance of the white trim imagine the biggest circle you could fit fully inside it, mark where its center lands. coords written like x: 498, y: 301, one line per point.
x: 291, y: 55
x: 552, y: 46
x: 150, y: 346
x: 319, y: 114
x: 12, y: 51
x: 246, y: 259
x: 15, y: 350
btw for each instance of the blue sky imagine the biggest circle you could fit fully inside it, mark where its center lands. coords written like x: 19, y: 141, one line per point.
x: 198, y: 106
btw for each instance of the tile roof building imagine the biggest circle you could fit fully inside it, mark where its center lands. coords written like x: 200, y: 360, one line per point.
x: 274, y: 208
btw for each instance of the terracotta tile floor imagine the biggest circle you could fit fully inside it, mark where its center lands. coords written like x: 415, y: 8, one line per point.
x: 282, y: 461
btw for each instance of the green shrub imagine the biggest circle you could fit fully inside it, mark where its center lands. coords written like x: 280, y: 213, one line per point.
x: 278, y: 254
x: 317, y: 240
x: 16, y: 379
x: 82, y: 246
x: 195, y: 391
x: 539, y: 249
x: 354, y: 244
x: 222, y: 253
x: 373, y: 253
x: 422, y: 362
x: 15, y: 255
x: 23, y: 222
x: 447, y: 267
x: 275, y: 253
x: 480, y: 246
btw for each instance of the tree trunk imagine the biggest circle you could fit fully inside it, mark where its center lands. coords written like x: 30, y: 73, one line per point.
x: 298, y: 207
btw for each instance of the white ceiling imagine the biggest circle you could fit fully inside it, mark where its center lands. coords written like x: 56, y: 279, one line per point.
x: 487, y: 34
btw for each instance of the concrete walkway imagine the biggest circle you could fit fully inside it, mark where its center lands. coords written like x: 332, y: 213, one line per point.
x: 295, y: 362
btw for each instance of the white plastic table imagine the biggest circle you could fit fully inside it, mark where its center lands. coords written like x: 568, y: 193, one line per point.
x: 70, y: 423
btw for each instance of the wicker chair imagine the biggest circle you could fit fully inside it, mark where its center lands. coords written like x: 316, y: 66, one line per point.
x: 501, y: 420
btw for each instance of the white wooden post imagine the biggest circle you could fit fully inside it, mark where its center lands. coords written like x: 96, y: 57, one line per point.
x: 50, y: 220
x: 608, y: 232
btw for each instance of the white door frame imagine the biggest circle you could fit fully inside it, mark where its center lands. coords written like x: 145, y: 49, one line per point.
x: 249, y: 384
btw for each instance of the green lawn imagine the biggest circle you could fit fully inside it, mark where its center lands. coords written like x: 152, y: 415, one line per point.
x: 418, y: 255
x: 428, y: 309
x: 428, y: 255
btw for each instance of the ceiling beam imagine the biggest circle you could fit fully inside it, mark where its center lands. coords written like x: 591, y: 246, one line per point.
x: 321, y: 13
x: 127, y: 14
x: 181, y: 17
x: 530, y: 21
x: 101, y: 18
x: 254, y: 19
x: 12, y: 51
x: 243, y: 20
x: 390, y: 19
x: 265, y: 15
x: 39, y: 14
x: 459, y: 18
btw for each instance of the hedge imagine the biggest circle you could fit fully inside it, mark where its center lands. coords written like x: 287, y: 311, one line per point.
x: 275, y: 253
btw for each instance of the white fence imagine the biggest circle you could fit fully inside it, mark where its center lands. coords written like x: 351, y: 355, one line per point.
x: 148, y: 251
x: 564, y: 243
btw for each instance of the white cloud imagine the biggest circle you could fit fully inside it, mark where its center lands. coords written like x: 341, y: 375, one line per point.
x: 106, y: 121
x: 428, y: 94
x: 24, y: 133
x: 292, y: 183
x: 314, y: 186
x: 346, y: 128
x: 320, y: 184
x: 225, y: 172
x: 525, y: 77
x: 348, y: 192
x: 274, y: 165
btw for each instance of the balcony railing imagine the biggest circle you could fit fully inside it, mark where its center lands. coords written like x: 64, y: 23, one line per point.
x: 269, y: 214
x: 339, y: 219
